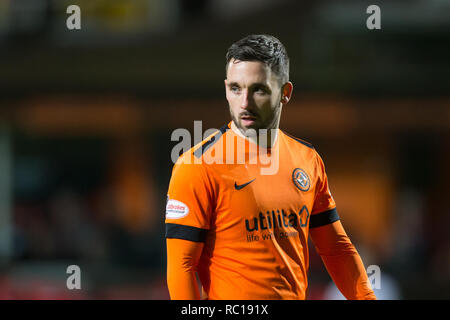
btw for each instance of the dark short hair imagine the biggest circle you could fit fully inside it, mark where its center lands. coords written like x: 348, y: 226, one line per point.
x: 264, y: 48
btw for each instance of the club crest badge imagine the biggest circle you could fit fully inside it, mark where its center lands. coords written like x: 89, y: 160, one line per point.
x: 301, y: 179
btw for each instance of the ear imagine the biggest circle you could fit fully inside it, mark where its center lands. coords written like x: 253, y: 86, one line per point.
x: 286, y: 92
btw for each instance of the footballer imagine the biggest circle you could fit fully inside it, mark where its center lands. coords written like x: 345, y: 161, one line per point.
x: 244, y: 231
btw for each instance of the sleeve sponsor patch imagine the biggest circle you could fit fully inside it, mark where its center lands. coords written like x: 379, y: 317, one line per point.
x: 176, y: 209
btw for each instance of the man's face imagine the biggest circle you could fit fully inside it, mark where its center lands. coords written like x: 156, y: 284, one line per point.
x: 253, y: 93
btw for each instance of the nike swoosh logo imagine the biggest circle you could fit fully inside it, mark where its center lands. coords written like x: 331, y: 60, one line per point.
x: 239, y: 187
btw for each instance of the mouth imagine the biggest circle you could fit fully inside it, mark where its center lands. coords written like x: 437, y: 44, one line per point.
x: 247, y: 119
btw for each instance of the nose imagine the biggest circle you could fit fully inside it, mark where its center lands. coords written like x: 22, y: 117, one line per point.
x: 245, y: 99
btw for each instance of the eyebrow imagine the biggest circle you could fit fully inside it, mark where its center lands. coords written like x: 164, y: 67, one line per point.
x: 256, y: 84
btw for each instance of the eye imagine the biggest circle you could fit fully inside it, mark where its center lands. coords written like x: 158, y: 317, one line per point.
x: 261, y: 90
x: 235, y: 89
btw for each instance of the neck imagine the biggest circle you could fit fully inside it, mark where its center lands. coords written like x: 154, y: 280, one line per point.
x: 265, y: 139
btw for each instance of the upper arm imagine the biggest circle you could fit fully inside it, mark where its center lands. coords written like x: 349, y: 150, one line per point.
x: 323, y: 200
x: 325, y: 227
x: 324, y: 207
x: 189, y: 203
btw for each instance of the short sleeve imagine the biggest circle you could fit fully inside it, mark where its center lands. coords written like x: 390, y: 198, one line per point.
x: 324, y: 208
x: 189, y: 203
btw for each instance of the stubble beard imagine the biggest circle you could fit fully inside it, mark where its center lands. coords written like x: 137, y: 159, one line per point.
x: 271, y: 123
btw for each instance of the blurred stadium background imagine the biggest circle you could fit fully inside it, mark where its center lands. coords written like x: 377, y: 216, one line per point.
x: 86, y: 118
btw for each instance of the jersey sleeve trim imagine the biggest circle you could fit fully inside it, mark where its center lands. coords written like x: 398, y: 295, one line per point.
x: 183, y: 232
x: 323, y: 218
x: 305, y: 143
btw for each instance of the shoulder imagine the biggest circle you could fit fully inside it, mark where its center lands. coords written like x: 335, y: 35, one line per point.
x: 303, y: 149
x: 209, y: 142
x: 294, y: 140
x: 191, y: 162
x: 195, y: 154
x: 299, y: 145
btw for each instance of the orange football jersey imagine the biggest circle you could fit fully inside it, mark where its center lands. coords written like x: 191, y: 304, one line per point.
x: 254, y: 223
